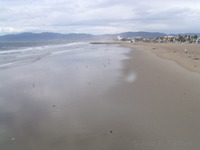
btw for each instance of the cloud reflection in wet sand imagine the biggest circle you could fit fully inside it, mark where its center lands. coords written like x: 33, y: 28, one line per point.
x: 49, y: 104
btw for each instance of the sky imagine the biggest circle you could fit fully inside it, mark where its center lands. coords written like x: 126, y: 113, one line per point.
x: 99, y: 16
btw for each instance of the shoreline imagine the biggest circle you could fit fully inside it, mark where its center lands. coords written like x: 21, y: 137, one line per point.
x: 159, y: 105
x: 105, y: 98
x: 107, y: 42
x: 186, y: 55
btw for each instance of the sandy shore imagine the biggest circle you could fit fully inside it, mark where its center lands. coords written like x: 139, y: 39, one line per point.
x: 159, y: 107
x: 186, y: 55
x: 91, y: 100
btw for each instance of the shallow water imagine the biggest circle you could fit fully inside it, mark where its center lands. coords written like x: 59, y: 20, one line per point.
x: 16, y: 54
x: 57, y: 101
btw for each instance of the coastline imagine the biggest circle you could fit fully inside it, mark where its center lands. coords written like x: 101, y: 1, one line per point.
x: 186, y: 55
x: 106, y: 98
x: 158, y: 108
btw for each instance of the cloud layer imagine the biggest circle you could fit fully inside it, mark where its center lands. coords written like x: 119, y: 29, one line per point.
x: 99, y: 16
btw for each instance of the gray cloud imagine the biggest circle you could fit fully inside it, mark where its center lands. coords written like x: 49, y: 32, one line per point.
x: 100, y: 16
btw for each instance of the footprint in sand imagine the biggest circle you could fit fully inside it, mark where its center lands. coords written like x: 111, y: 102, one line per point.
x: 196, y: 58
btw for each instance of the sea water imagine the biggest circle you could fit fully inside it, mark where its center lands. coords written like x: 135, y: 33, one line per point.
x: 12, y: 54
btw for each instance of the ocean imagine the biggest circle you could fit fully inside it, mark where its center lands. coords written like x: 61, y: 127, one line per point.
x: 13, y: 54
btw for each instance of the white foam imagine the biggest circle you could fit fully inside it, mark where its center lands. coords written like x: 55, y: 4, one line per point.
x: 40, y: 48
x: 60, y: 52
x: 4, y: 65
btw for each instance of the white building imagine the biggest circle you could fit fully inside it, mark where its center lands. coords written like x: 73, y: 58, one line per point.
x: 119, y: 38
x: 198, y: 40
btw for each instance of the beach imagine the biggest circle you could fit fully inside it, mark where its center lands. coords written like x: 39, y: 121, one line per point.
x: 161, y: 105
x: 186, y: 55
x: 108, y: 96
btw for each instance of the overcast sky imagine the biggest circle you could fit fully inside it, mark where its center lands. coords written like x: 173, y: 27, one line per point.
x: 99, y: 16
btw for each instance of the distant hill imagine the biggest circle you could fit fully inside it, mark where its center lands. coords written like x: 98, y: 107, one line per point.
x: 44, y: 37
x: 146, y: 34
x: 49, y: 37
x: 143, y: 34
x: 182, y: 34
x: 136, y: 34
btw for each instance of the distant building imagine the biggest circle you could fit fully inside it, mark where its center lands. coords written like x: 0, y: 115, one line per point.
x: 198, y: 40
x: 119, y: 38
x: 167, y: 37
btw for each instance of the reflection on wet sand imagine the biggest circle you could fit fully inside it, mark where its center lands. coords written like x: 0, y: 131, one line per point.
x: 100, y: 99
x: 58, y: 102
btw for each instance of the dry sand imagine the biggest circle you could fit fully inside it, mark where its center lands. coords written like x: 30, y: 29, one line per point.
x: 186, y: 55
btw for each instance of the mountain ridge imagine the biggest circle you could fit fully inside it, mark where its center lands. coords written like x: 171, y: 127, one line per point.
x: 44, y: 36
x: 51, y: 36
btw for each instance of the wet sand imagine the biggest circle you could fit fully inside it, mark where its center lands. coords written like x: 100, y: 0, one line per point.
x: 81, y: 102
x: 160, y: 108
